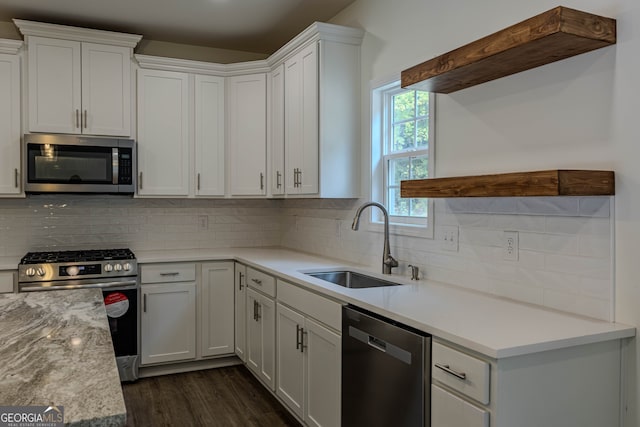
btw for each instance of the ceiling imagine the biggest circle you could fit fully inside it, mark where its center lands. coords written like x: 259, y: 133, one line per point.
x: 260, y: 26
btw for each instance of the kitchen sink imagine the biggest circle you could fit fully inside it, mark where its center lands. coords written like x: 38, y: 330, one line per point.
x: 351, y: 279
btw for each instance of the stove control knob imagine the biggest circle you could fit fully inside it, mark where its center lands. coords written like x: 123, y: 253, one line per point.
x: 40, y: 271
x: 117, y: 267
x: 73, y: 270
x: 30, y: 272
x: 108, y: 268
x: 126, y: 266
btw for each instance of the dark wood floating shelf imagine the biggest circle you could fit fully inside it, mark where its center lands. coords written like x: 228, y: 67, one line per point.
x: 551, y: 36
x: 516, y: 184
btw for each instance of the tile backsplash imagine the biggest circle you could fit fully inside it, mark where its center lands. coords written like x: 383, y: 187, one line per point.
x: 64, y: 222
x: 565, y: 257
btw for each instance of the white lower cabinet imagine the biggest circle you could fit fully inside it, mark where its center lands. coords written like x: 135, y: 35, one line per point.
x: 6, y: 281
x: 186, y: 316
x: 168, y: 322
x: 216, y: 309
x: 261, y: 324
x: 308, y: 356
x: 448, y: 410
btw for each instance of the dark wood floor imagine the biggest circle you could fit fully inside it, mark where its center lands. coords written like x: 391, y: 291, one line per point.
x: 216, y: 397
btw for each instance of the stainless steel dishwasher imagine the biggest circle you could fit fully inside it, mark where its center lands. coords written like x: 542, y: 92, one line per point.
x: 385, y: 371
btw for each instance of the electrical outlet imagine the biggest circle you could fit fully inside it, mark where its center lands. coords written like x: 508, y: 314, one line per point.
x: 203, y: 223
x: 510, y: 246
x: 450, y: 236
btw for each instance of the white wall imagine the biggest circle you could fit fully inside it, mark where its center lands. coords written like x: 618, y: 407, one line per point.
x: 577, y: 113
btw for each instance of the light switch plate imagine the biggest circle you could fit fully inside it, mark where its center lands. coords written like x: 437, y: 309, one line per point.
x: 450, y: 238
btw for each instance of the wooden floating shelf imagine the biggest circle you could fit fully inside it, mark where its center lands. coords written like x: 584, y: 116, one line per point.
x: 551, y: 36
x: 516, y: 184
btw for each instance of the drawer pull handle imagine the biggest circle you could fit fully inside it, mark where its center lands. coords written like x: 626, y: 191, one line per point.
x: 448, y: 370
x: 257, y: 282
x: 173, y: 273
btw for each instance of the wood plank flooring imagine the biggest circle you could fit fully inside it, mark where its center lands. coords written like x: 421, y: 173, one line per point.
x: 229, y: 396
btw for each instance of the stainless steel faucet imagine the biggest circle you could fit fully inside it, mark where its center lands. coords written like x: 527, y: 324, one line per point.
x: 388, y: 262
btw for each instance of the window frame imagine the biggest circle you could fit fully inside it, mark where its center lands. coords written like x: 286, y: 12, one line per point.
x: 381, y: 92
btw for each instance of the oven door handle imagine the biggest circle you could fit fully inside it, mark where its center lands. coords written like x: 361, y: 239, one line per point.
x: 101, y: 285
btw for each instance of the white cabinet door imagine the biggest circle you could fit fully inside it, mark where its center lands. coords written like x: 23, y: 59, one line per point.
x: 217, y: 309
x: 163, y: 133
x: 247, y: 132
x: 54, y: 85
x: 10, y: 124
x: 240, y: 287
x: 324, y: 360
x: 277, y: 170
x: 261, y: 337
x: 291, y: 359
x: 168, y: 322
x: 209, y: 135
x: 301, y: 122
x: 106, y: 90
x: 448, y: 410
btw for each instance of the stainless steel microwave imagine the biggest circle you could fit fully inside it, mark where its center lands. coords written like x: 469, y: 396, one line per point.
x: 79, y: 164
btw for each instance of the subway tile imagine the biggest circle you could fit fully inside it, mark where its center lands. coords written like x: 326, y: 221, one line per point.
x: 585, y: 267
x: 578, y: 225
x: 594, y: 246
x: 551, y: 243
x: 578, y: 304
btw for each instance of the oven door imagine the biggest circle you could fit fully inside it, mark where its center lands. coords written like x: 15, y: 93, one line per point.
x: 121, y: 305
x: 55, y: 285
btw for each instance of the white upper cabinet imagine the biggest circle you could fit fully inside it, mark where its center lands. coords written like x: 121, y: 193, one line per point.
x: 163, y: 133
x: 321, y: 112
x: 106, y: 89
x: 79, y: 80
x: 276, y: 112
x: 247, y: 134
x: 181, y: 128
x: 301, y: 122
x: 209, y: 135
x: 10, y: 168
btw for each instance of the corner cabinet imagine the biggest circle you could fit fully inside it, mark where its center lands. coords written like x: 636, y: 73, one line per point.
x: 247, y: 134
x: 79, y: 80
x: 316, y: 111
x: 10, y: 133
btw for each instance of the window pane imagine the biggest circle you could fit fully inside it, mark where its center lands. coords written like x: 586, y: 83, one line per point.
x: 404, y: 106
x: 397, y: 205
x: 423, y: 103
x: 398, y: 170
x: 403, y: 135
x: 419, y: 167
x: 419, y: 207
x: 422, y: 136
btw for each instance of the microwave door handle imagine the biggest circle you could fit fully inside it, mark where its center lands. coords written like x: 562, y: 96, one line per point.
x: 114, y: 165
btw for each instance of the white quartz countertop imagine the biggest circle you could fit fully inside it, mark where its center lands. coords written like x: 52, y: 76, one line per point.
x: 493, y: 326
x: 56, y: 350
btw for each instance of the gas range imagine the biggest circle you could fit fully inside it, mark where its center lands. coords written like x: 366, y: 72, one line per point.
x: 101, y: 268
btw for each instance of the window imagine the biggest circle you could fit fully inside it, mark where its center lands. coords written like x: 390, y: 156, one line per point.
x: 402, y: 148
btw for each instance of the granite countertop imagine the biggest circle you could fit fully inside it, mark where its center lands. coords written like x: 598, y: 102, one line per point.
x: 56, y: 350
x: 493, y: 326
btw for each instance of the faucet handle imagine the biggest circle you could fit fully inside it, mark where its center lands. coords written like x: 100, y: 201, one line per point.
x: 391, y: 261
x: 415, y: 271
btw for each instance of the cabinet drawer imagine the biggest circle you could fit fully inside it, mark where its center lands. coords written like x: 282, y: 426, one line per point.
x: 261, y: 281
x: 449, y: 365
x: 6, y: 281
x: 313, y: 305
x: 172, y: 272
x: 451, y: 411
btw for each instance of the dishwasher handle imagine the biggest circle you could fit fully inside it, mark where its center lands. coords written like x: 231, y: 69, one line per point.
x: 380, y: 345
